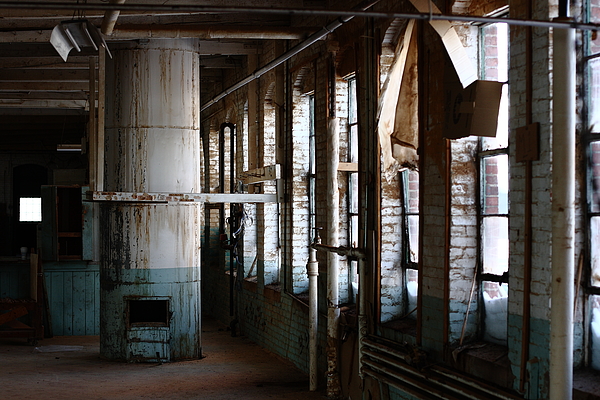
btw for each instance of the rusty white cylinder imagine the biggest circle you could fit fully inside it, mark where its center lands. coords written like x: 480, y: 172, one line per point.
x: 563, y: 214
x: 152, y: 251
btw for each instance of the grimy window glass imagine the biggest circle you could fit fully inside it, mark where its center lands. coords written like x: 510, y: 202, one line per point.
x: 493, y: 192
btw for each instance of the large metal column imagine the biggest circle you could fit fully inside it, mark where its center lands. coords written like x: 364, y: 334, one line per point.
x: 563, y: 215
x: 150, y: 252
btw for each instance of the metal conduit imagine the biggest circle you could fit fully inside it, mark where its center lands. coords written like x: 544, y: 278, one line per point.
x: 343, y: 14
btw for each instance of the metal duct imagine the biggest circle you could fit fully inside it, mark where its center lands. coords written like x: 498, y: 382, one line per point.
x: 110, y: 18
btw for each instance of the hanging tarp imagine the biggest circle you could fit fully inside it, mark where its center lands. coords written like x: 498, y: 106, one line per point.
x: 397, y: 114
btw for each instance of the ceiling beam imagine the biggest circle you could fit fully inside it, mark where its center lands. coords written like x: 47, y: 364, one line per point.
x: 12, y: 112
x: 43, y: 86
x: 9, y: 103
x: 53, y: 61
x: 56, y: 75
x: 44, y: 95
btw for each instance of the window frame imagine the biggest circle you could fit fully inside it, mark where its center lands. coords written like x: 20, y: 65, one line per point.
x: 352, y: 184
x: 484, y: 153
x: 407, y: 263
x: 590, y: 137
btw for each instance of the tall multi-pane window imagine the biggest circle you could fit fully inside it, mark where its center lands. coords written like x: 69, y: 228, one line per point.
x: 352, y: 183
x: 493, y: 193
x: 409, y: 182
x: 592, y: 117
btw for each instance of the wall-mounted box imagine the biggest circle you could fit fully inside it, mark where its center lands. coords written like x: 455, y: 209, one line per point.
x: 472, y: 111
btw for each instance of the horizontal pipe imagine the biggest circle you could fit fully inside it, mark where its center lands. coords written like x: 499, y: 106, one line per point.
x: 292, y: 11
x: 341, y: 250
x: 369, y: 344
x: 202, y: 32
x: 182, y: 198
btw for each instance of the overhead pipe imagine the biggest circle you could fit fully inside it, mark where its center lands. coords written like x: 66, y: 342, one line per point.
x: 343, y: 14
x: 563, y: 211
x: 110, y: 18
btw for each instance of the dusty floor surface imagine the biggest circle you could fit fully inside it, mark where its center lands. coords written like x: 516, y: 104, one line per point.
x: 232, y: 368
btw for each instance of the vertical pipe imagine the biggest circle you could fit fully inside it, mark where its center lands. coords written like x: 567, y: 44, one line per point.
x: 312, y: 269
x: 92, y: 125
x: 100, y: 118
x: 252, y: 118
x: 333, y: 311
x: 222, y: 177
x: 563, y: 199
x: 233, y: 225
x: 231, y: 127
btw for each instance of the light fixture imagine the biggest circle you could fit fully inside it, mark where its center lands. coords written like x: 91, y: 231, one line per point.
x: 75, y: 34
x: 68, y: 147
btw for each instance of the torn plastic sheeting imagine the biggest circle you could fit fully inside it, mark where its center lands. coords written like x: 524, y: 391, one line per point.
x: 397, y: 122
x: 56, y: 348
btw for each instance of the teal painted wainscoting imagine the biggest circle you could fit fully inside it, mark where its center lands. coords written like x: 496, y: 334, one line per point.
x: 73, y: 298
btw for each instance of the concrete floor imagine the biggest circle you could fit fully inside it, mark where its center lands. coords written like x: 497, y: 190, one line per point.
x: 232, y: 368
